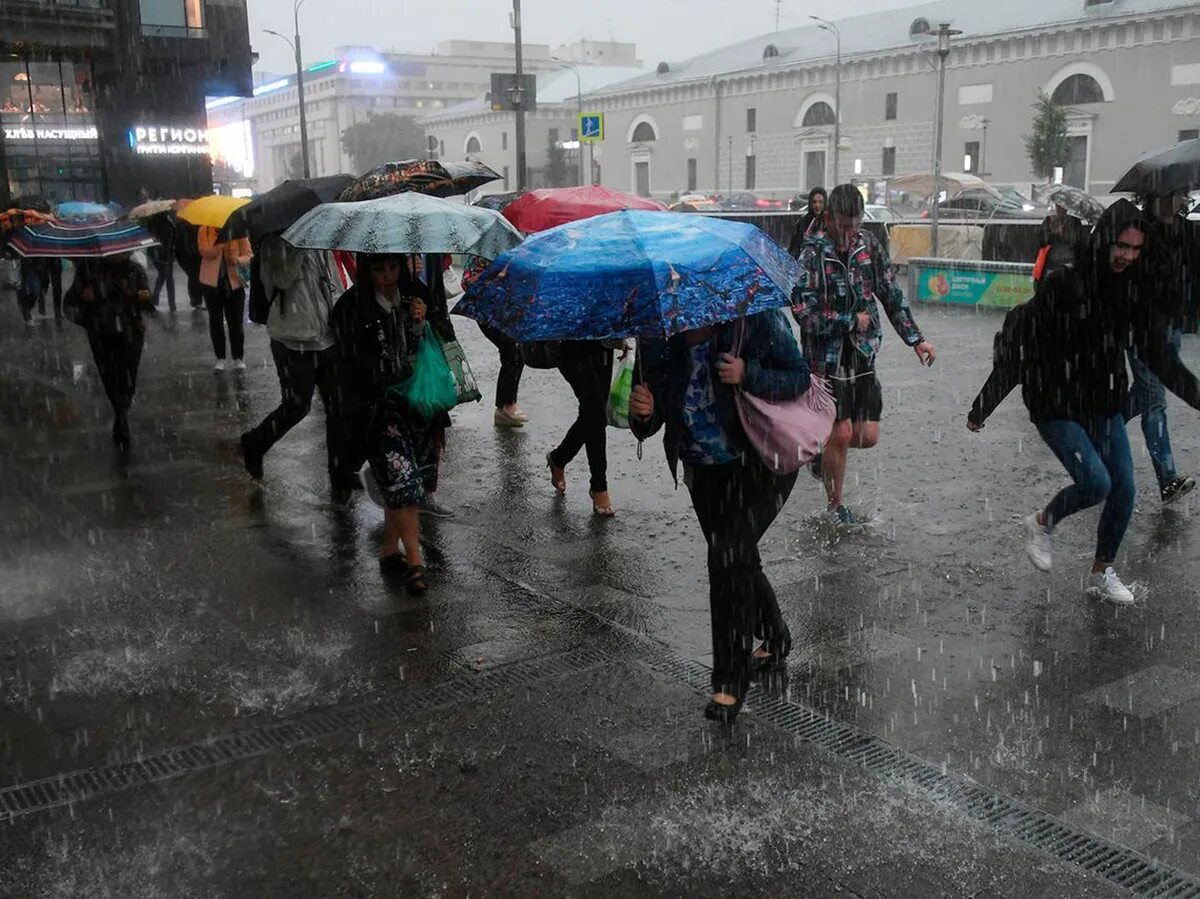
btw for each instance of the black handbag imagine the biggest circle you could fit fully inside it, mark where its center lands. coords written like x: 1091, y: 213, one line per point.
x: 542, y: 353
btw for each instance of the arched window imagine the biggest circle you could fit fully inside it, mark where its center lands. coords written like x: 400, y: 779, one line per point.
x: 473, y: 145
x: 1078, y: 89
x: 644, y: 132
x: 820, y: 113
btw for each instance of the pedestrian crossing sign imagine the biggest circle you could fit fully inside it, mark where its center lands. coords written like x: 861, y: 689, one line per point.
x: 591, y: 126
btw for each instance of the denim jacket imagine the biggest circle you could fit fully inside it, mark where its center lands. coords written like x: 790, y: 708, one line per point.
x: 775, y: 370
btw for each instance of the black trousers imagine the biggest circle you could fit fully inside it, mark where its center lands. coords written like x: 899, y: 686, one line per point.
x: 166, y: 277
x: 300, y: 373
x: 735, y: 504
x: 587, y: 366
x: 117, y: 357
x: 511, y: 366
x: 226, y: 308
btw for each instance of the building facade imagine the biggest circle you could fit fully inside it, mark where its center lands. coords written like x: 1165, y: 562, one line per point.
x: 760, y: 115
x: 100, y: 99
x: 358, y: 83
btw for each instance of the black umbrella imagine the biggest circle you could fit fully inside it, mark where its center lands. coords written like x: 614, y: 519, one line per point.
x: 424, y: 176
x: 1172, y: 171
x: 497, y: 201
x: 36, y: 202
x: 282, y: 206
x: 1080, y: 204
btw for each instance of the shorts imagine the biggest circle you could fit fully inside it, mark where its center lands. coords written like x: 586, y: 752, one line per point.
x: 858, y: 394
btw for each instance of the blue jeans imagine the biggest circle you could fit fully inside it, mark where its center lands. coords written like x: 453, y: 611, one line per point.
x: 1098, y: 459
x: 1148, y: 398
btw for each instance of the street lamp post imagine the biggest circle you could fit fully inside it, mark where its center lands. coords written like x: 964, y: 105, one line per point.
x: 944, y: 33
x: 295, y: 45
x: 579, y: 108
x: 832, y: 28
x: 519, y: 96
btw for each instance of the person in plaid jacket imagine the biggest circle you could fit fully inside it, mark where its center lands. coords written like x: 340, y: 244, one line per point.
x: 846, y: 276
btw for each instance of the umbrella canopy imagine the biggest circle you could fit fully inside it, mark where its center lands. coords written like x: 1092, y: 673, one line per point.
x: 36, y: 202
x: 82, y: 211
x: 407, y: 223
x: 150, y: 209
x: 497, y: 201
x: 953, y: 183
x: 15, y: 218
x: 1079, y: 203
x: 425, y: 176
x: 212, y: 211
x: 282, y: 205
x: 538, y: 210
x: 80, y: 240
x: 631, y: 274
x: 1172, y: 171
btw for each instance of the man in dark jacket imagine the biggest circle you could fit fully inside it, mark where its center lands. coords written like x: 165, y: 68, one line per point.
x: 1164, y: 280
x: 1066, y: 348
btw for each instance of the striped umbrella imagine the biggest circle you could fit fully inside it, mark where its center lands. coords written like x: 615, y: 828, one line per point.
x: 79, y: 240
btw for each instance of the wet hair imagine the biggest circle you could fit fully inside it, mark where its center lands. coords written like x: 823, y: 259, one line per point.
x: 1116, y: 220
x: 846, y: 199
x: 818, y: 192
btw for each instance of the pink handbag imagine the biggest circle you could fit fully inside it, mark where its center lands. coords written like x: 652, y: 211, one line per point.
x: 787, y: 434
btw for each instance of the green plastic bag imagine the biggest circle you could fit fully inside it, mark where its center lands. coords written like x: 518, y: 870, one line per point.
x: 618, y: 396
x: 431, y: 388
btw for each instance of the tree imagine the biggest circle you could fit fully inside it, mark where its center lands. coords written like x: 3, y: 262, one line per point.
x: 295, y: 169
x: 1048, y: 145
x: 383, y: 138
x: 556, y: 163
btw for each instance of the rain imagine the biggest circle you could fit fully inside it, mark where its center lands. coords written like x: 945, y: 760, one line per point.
x: 641, y: 449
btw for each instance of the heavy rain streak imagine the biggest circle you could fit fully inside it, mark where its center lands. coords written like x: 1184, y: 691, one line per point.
x: 559, y: 448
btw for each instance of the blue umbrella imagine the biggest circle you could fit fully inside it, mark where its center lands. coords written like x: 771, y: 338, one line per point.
x: 84, y: 211
x: 632, y: 273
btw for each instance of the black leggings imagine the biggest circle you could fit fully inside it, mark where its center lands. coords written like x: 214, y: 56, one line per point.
x: 117, y: 357
x: 587, y: 366
x: 226, y: 307
x: 735, y: 504
x: 511, y: 366
x: 300, y: 373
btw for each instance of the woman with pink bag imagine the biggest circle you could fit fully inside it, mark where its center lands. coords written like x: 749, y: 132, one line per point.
x: 689, y: 385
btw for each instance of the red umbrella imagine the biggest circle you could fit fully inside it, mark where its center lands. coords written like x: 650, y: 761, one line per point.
x: 552, y: 206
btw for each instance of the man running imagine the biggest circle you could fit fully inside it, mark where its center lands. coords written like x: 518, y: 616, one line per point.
x: 1066, y: 348
x: 847, y: 274
x: 1163, y: 278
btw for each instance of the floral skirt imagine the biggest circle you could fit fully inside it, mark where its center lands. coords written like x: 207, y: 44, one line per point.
x: 404, y: 456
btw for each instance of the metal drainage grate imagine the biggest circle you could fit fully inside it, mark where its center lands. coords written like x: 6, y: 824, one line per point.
x: 1118, y: 865
x: 76, y: 786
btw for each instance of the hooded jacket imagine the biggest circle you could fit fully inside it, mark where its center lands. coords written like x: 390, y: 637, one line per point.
x: 1066, y: 346
x: 301, y: 286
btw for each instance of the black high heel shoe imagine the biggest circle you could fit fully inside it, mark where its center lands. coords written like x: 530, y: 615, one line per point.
x: 722, y: 712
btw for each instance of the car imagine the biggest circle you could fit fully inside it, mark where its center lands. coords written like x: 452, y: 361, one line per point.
x: 980, y: 205
x: 878, y: 213
x: 748, y: 202
x: 1016, y: 197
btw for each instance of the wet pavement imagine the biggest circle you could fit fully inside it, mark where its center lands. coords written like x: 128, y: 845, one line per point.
x: 207, y: 689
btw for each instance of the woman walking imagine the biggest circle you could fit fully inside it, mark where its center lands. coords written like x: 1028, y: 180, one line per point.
x: 1066, y: 348
x: 817, y: 199
x: 108, y: 297
x: 224, y: 293
x: 378, y: 325
x: 508, y: 383
x: 587, y: 367
x: 688, y: 386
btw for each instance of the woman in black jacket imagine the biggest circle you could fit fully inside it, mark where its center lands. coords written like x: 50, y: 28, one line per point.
x: 1066, y: 348
x: 817, y: 198
x: 378, y: 324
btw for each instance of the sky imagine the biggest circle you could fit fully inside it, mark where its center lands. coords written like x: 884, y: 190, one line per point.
x: 662, y: 29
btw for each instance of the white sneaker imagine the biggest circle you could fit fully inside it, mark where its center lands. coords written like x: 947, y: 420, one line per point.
x: 1039, y: 543
x: 372, y: 487
x: 1107, y: 586
x: 220, y: 366
x: 239, y: 365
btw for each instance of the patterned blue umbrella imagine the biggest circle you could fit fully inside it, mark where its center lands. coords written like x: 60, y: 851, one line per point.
x: 632, y: 273
x: 84, y: 211
x: 404, y: 223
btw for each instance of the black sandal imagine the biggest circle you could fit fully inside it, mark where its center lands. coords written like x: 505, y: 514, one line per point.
x: 415, y: 581
x: 395, y: 564
x: 724, y: 713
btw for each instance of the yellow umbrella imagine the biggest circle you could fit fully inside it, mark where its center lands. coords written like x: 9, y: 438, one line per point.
x: 212, y: 211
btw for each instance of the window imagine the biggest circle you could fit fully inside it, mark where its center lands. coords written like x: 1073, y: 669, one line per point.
x: 752, y: 119
x: 750, y: 171
x: 971, y: 157
x: 473, y: 145
x: 1190, y: 134
x: 691, y: 175
x: 553, y: 135
x: 820, y: 113
x: 171, y: 17
x: 644, y: 132
x: 889, y: 160
x: 574, y: 134
x: 441, y: 148
x: 505, y: 174
x: 1078, y: 89
x: 889, y: 107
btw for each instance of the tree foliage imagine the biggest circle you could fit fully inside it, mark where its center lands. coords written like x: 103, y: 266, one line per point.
x: 556, y: 163
x: 1048, y: 145
x: 383, y: 138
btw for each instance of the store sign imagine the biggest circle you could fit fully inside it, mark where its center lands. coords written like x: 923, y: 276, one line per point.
x: 51, y: 132
x: 972, y: 287
x: 160, y: 140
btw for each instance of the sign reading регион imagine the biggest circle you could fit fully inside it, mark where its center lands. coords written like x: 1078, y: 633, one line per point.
x: 168, y: 140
